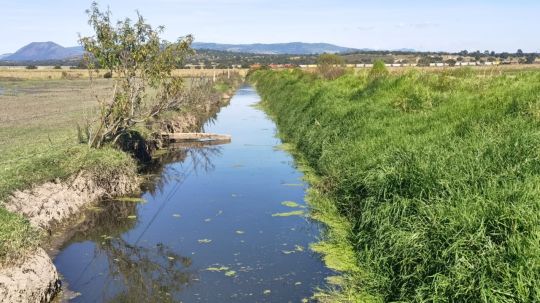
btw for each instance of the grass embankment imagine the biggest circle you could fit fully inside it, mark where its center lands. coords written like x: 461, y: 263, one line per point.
x: 429, y: 182
x: 38, y: 143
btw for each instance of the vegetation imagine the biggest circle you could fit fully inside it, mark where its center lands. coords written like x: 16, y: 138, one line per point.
x: 38, y: 143
x: 378, y: 70
x: 331, y: 66
x: 142, y: 61
x: 428, y: 182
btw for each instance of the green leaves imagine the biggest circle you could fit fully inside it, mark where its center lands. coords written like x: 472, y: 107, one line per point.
x: 141, y: 60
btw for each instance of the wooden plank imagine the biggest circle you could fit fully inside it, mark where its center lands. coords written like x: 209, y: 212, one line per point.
x: 196, y: 136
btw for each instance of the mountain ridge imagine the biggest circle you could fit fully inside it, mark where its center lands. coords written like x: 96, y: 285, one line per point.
x: 43, y: 51
x: 292, y: 48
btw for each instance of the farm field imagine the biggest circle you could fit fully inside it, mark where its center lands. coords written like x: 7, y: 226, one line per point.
x: 45, y: 73
x: 428, y: 181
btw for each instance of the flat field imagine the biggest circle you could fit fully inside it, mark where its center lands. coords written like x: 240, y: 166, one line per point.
x: 71, y: 74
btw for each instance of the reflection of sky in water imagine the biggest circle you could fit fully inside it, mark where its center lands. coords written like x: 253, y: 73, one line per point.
x: 207, y: 233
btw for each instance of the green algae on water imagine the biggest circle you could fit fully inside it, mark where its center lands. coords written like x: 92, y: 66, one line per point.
x: 230, y: 273
x: 291, y: 213
x: 292, y: 204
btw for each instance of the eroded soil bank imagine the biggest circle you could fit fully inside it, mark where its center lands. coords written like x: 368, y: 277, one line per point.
x: 49, y: 206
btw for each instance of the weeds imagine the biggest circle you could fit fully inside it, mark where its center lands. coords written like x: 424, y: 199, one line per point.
x: 429, y: 179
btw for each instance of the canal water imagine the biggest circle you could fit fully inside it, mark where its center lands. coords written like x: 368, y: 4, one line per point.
x: 217, y: 224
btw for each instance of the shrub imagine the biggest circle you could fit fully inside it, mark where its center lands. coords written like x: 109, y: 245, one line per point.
x: 331, y: 66
x: 142, y: 60
x: 31, y: 67
x: 378, y: 70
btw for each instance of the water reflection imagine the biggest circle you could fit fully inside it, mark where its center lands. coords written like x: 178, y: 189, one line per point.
x: 145, y: 274
x: 200, y: 155
x: 206, y: 232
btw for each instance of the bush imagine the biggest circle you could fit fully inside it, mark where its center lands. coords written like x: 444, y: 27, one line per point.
x: 107, y: 75
x: 331, y: 66
x: 57, y: 67
x: 451, y: 62
x: 378, y: 70
x: 31, y: 67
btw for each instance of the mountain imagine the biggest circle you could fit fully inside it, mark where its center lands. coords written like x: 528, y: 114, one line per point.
x: 42, y: 51
x: 47, y: 51
x: 296, y: 48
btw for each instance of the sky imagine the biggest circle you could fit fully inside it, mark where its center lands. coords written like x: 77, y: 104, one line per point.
x: 385, y: 24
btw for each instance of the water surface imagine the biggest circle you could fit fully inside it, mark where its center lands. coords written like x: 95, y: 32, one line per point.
x: 212, y: 228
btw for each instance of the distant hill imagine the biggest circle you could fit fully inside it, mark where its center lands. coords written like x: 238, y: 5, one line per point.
x: 50, y: 51
x: 297, y: 48
x: 46, y: 51
x: 42, y: 51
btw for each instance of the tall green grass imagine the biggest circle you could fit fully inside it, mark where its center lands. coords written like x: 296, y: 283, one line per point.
x: 435, y: 176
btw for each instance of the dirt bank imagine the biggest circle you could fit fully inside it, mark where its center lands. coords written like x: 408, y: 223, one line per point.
x: 48, y: 206
x: 54, y: 202
x: 35, y: 280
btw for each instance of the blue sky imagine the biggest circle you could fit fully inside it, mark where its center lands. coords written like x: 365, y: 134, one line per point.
x: 391, y: 24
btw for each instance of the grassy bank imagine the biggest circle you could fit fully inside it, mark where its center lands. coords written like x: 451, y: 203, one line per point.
x: 429, y: 182
x: 38, y: 143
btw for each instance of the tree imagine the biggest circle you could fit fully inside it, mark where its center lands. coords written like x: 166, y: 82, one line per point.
x: 330, y: 60
x: 451, y: 62
x: 330, y: 66
x: 519, y: 52
x: 530, y: 58
x: 141, y: 60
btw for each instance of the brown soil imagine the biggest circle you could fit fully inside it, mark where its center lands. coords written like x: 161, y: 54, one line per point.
x: 54, y: 202
x: 48, y: 206
x: 35, y: 280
